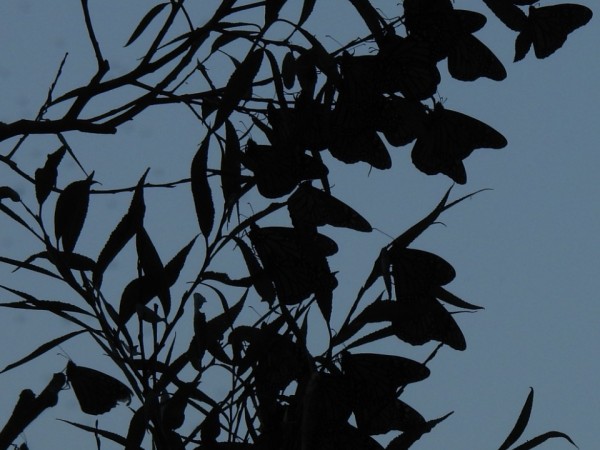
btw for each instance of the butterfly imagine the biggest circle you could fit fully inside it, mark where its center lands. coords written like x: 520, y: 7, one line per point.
x: 311, y: 207
x: 406, y: 65
x: 469, y: 59
x: 449, y: 138
x: 547, y: 28
x: 96, y: 392
x: 295, y: 262
x: 375, y: 379
x: 278, y: 170
x: 401, y: 120
x: 418, y: 272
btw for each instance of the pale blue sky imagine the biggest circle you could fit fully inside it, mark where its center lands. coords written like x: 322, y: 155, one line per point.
x: 528, y: 251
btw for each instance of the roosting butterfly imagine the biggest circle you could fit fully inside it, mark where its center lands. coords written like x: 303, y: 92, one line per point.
x: 449, y: 138
x: 278, y: 170
x: 295, y: 262
x: 547, y: 28
x: 375, y: 379
x: 311, y: 207
x: 96, y: 392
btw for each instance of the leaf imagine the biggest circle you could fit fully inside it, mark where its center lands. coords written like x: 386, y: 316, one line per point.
x: 452, y: 299
x: 239, y: 83
x: 231, y: 180
x: 146, y: 20
x: 42, y: 349
x: 8, y: 192
x: 95, y: 430
x: 124, y: 231
x: 73, y: 261
x: 264, y: 287
x: 521, y: 423
x: 538, y: 440
x: 71, y: 211
x: 307, y: 9
x: 153, y: 267
x: 288, y: 70
x: 141, y: 290
x: 205, y: 210
x: 272, y: 8
x: 45, y: 177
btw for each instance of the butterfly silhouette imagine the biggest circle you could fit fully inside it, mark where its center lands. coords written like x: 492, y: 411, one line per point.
x: 547, y: 28
x: 96, y: 392
x: 278, y: 170
x: 295, y: 262
x: 310, y: 207
x: 375, y: 379
x: 449, y: 138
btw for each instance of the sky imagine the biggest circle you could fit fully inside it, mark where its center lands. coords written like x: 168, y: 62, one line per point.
x: 527, y: 250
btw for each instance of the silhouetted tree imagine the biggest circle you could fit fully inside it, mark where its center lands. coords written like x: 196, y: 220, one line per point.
x: 266, y: 119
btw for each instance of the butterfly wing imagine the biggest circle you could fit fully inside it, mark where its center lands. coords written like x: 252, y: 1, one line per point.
x: 470, y: 59
x: 311, y: 207
x: 423, y: 319
x: 96, y: 392
x: 552, y: 24
x: 451, y: 137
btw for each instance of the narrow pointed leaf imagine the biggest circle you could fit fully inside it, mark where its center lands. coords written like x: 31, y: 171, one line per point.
x: 124, y: 231
x: 231, y: 166
x: 71, y: 211
x: 95, y: 430
x: 453, y: 300
x: 521, y: 423
x: 8, y: 192
x: 146, y: 20
x: 307, y: 9
x: 538, y: 440
x: 42, y: 349
x: 239, y: 83
x: 153, y: 267
x: 272, y: 8
x: 45, y: 177
x: 205, y: 210
x: 174, y: 266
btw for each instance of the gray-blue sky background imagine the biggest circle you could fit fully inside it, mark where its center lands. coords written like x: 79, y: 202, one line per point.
x: 527, y: 251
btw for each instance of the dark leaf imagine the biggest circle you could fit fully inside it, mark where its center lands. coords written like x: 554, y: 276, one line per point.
x: 43, y: 349
x: 97, y: 431
x: 408, y: 438
x: 288, y: 70
x: 264, y: 286
x: 205, y: 210
x: 8, y: 192
x: 307, y: 9
x: 237, y: 86
x: 45, y: 177
x: 71, y: 211
x: 210, y: 429
x: 272, y: 8
x: 538, y: 440
x: 146, y: 20
x: 153, y: 268
x: 521, y: 423
x: 231, y: 166
x: 96, y: 392
x: 143, y: 289
x: 452, y: 299
x: 127, y: 228
x: 137, y: 429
